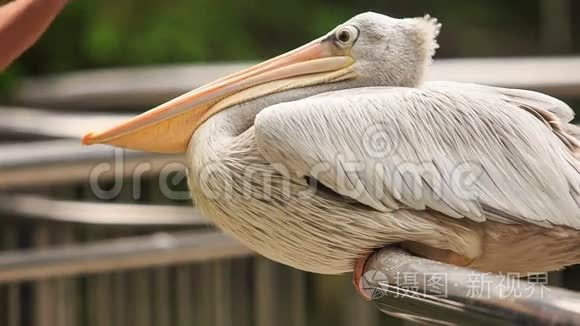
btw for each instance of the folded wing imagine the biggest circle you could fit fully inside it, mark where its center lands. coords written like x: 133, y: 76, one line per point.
x: 467, y: 151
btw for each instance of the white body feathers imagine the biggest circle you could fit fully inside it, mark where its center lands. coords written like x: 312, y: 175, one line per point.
x: 253, y: 184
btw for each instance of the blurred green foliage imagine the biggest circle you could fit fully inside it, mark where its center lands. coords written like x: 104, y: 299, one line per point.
x: 104, y: 33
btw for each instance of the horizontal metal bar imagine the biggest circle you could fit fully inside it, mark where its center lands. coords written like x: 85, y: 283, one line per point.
x: 553, y: 75
x: 422, y: 290
x: 118, y: 88
x: 99, y: 213
x: 160, y: 249
x: 145, y: 87
x: 16, y: 120
x: 65, y: 161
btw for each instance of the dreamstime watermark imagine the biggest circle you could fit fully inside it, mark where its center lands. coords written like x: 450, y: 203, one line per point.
x: 373, y: 181
x: 382, y: 169
x: 364, y: 181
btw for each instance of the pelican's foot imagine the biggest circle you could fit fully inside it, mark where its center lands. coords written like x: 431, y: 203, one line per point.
x: 358, y: 274
x: 420, y: 250
x: 458, y: 260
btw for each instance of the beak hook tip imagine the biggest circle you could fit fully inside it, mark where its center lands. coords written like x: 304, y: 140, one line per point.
x: 88, y: 139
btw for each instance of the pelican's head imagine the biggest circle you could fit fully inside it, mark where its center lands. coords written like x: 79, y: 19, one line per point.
x: 368, y: 50
x: 388, y: 51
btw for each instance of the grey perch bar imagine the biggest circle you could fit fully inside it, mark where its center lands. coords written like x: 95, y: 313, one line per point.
x: 68, y: 211
x: 64, y: 161
x: 456, y: 303
x: 405, y: 286
x: 100, y: 89
x: 159, y: 249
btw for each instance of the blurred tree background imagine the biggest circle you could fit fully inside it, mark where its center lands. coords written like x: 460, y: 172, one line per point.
x: 108, y: 33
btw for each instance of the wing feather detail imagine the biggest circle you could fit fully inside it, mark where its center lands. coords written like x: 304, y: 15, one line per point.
x: 467, y: 151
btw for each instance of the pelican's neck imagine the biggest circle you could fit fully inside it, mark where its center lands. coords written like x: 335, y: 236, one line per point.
x: 222, y: 147
x: 226, y: 125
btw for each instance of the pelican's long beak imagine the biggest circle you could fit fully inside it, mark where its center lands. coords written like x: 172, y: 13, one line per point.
x: 168, y: 127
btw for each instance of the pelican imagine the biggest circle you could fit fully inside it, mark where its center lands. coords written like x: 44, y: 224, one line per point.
x: 320, y: 156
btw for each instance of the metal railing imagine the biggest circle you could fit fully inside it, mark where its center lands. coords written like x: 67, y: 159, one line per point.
x: 138, y: 88
x: 430, y: 292
x: 64, y: 161
x: 70, y: 258
x: 161, y: 249
x: 99, y: 214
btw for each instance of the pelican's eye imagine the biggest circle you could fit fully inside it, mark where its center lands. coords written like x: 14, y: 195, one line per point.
x: 346, y: 36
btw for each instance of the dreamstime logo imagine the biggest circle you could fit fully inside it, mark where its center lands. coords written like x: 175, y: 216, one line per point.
x: 381, y: 141
x: 371, y: 182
